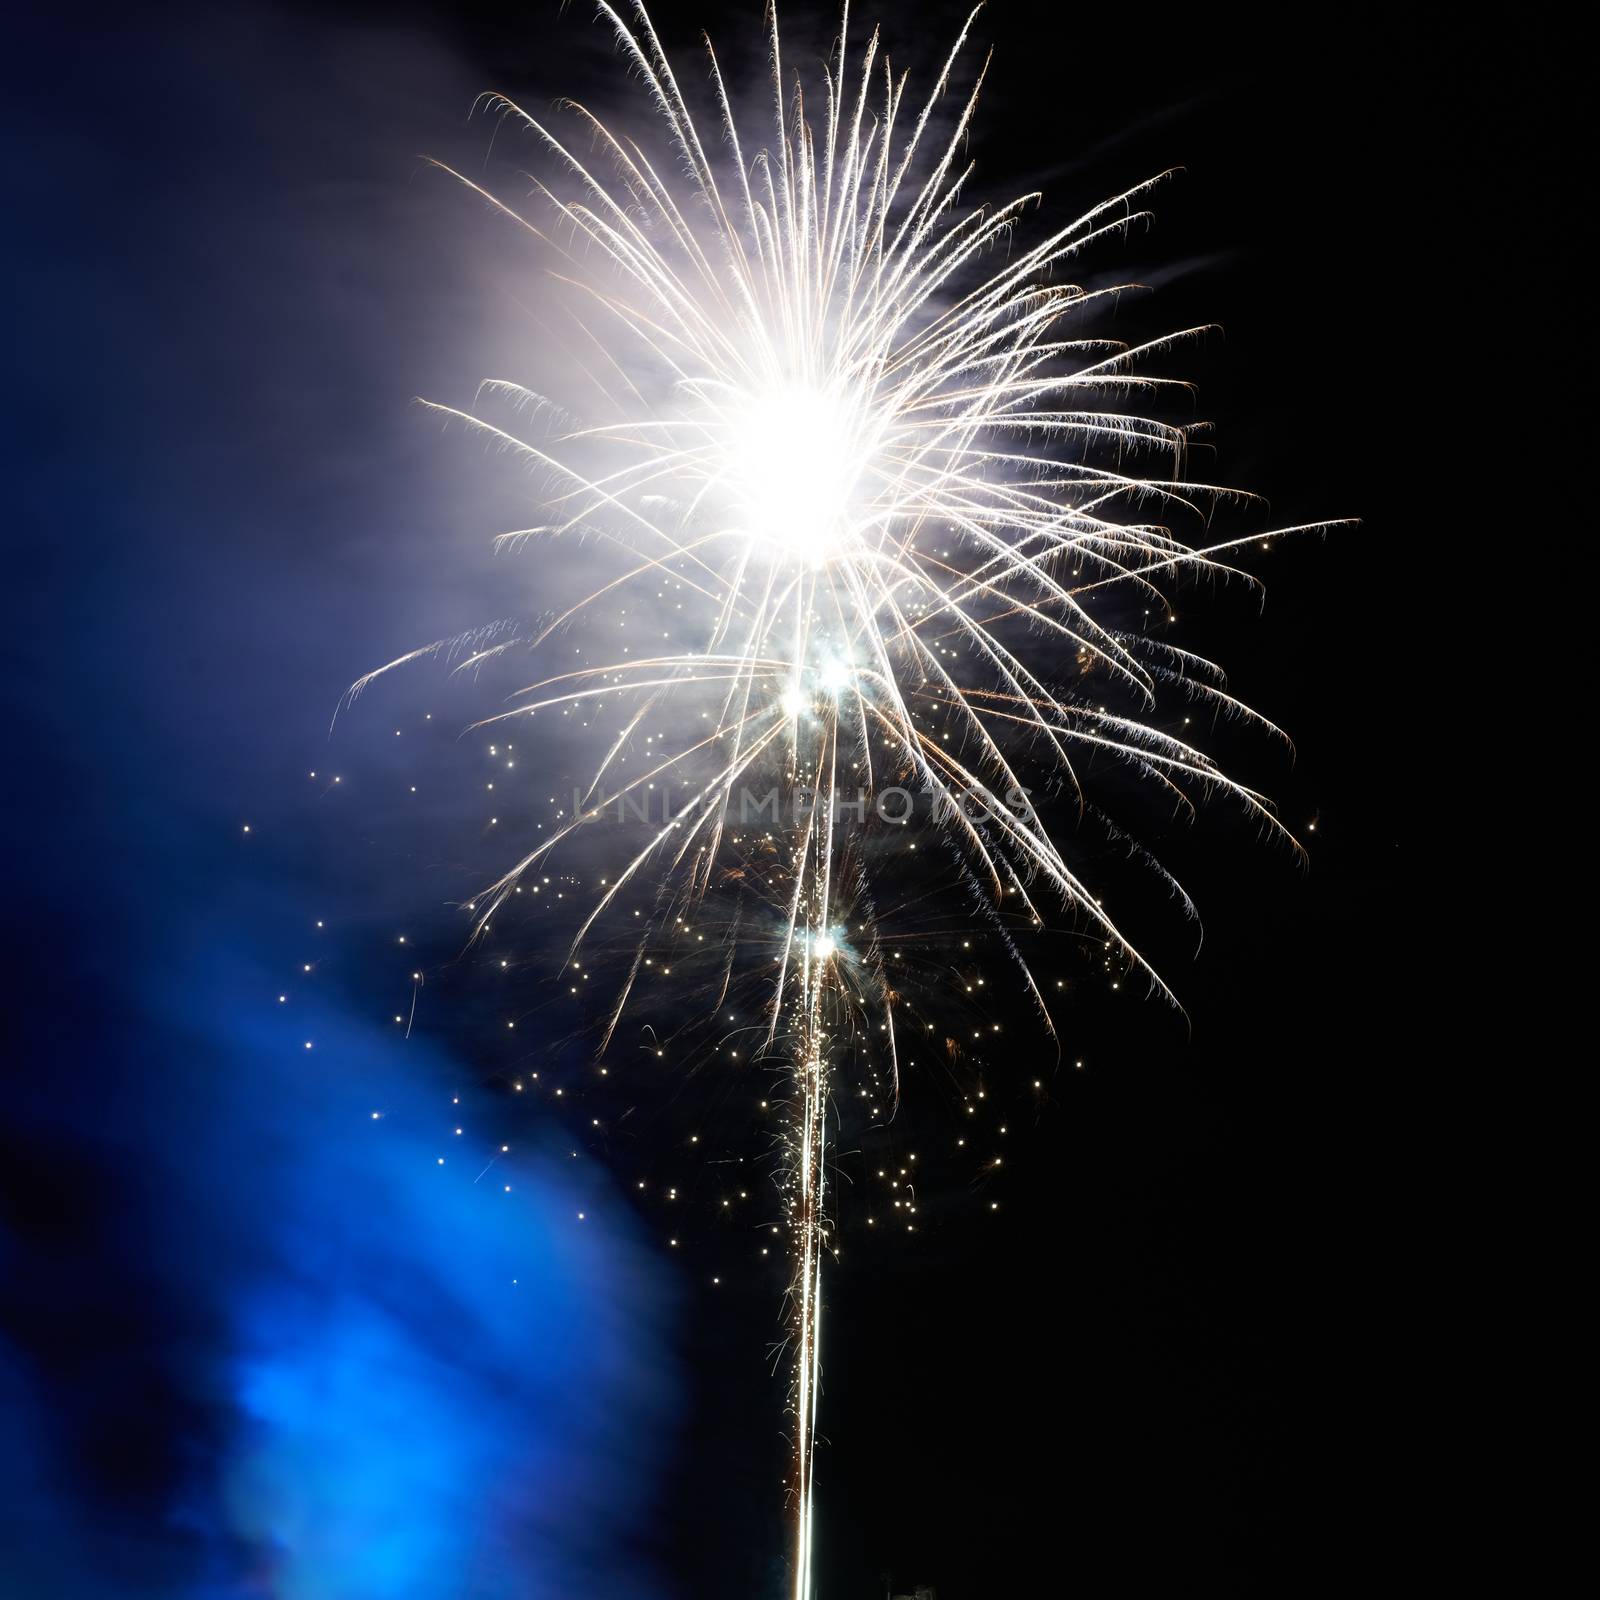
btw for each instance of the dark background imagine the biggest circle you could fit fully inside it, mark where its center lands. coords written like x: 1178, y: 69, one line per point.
x: 1200, y: 1348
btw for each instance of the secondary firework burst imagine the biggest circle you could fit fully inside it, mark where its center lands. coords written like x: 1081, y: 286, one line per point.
x: 911, y: 496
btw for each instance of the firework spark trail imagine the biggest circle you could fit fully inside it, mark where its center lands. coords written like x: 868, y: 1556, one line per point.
x: 906, y: 494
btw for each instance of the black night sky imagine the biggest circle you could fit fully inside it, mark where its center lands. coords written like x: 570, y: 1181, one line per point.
x: 248, y: 1346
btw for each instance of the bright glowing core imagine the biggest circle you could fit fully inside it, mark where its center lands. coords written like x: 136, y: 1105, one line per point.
x: 836, y: 675
x: 823, y: 947
x: 793, y: 469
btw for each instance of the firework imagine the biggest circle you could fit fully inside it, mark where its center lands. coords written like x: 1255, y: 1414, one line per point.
x: 910, y: 497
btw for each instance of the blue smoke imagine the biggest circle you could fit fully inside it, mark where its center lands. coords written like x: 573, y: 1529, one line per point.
x: 253, y: 1341
x: 411, y: 1379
